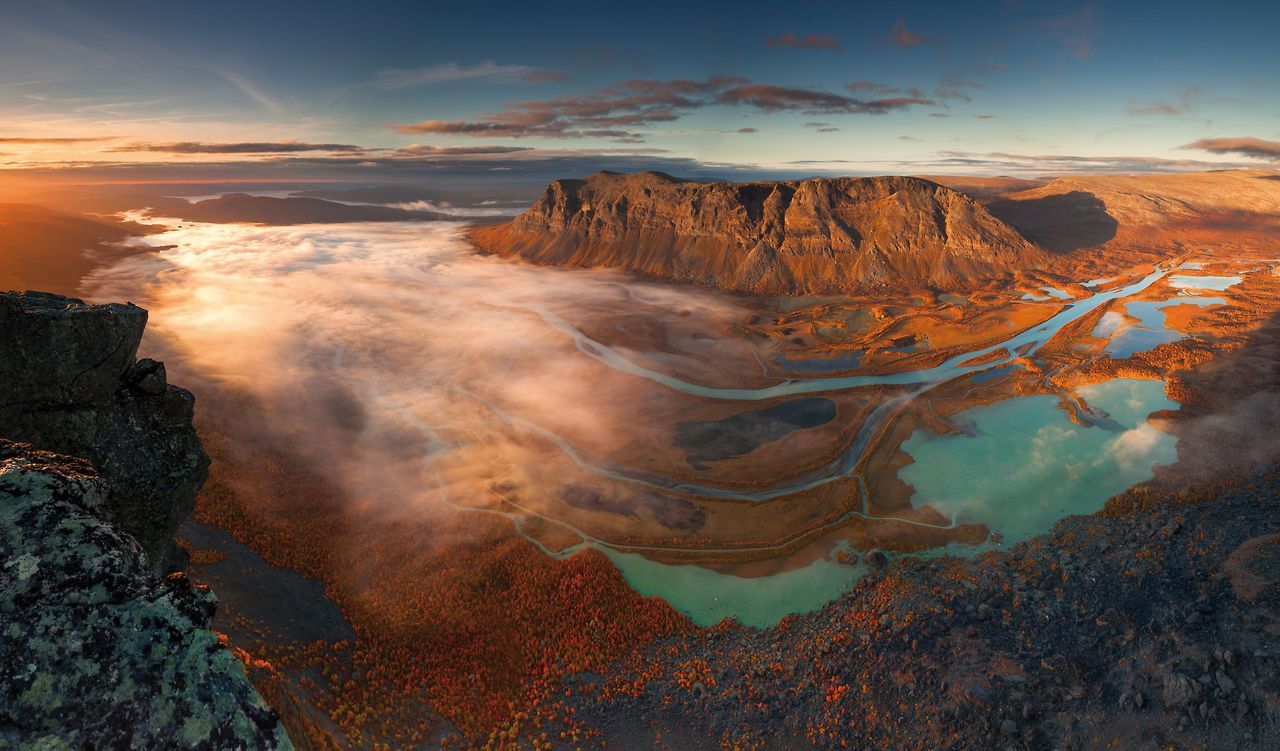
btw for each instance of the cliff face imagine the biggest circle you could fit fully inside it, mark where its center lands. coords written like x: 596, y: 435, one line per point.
x: 798, y: 237
x: 71, y: 384
x: 94, y: 651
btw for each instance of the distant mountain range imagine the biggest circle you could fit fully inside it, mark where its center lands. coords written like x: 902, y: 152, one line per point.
x: 815, y: 236
x: 241, y: 207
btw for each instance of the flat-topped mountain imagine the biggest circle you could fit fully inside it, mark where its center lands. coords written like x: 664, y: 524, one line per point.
x: 822, y: 235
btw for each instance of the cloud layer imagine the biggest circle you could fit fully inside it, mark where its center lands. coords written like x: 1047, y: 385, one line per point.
x: 1244, y: 145
x: 615, y: 111
x: 196, y: 147
x: 413, y: 373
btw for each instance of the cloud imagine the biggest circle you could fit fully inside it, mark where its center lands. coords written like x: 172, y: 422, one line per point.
x: 250, y: 89
x: 609, y: 112
x: 1077, y: 30
x: 421, y: 150
x: 25, y: 141
x: 911, y: 139
x: 393, y: 79
x: 615, y: 111
x: 196, y: 147
x: 472, y: 387
x: 811, y: 41
x: 957, y: 89
x: 1064, y: 163
x: 1186, y: 102
x: 1244, y: 145
x: 959, y: 85
x: 859, y: 86
x: 900, y: 36
x: 809, y: 101
x: 1133, y: 448
x: 822, y: 127
x: 746, y: 130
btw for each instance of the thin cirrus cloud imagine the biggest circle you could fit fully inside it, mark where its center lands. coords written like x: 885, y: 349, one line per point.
x: 1078, y: 31
x: 197, y: 147
x: 614, y: 111
x: 250, y: 90
x: 810, y: 41
x: 394, y: 78
x: 900, y: 36
x: 957, y: 89
x: 1186, y: 102
x: 1243, y: 145
x: 872, y: 86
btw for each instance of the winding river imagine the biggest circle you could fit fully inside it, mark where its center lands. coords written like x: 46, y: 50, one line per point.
x: 1025, y: 465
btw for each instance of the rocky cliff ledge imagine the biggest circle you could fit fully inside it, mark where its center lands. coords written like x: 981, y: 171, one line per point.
x: 816, y: 236
x: 71, y: 384
x: 96, y: 650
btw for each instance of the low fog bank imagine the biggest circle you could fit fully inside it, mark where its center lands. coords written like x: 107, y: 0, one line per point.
x: 402, y: 366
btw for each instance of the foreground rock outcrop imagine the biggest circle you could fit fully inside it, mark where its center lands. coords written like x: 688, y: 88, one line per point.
x: 72, y: 384
x: 816, y: 236
x: 95, y: 653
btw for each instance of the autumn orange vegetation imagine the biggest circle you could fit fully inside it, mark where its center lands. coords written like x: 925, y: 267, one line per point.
x: 479, y: 632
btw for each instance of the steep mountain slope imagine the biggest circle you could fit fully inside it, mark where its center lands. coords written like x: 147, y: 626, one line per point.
x: 797, y: 237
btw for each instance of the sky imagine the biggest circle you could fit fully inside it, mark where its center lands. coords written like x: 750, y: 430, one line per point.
x: 384, y: 88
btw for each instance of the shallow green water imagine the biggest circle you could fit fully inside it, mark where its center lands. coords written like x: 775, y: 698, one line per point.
x: 1029, y: 465
x: 709, y: 597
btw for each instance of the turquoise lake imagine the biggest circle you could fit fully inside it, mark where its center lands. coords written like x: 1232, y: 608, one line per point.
x: 709, y: 597
x: 1028, y: 465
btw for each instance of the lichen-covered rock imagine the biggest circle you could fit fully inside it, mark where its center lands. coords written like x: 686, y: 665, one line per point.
x: 94, y: 652
x: 70, y: 384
